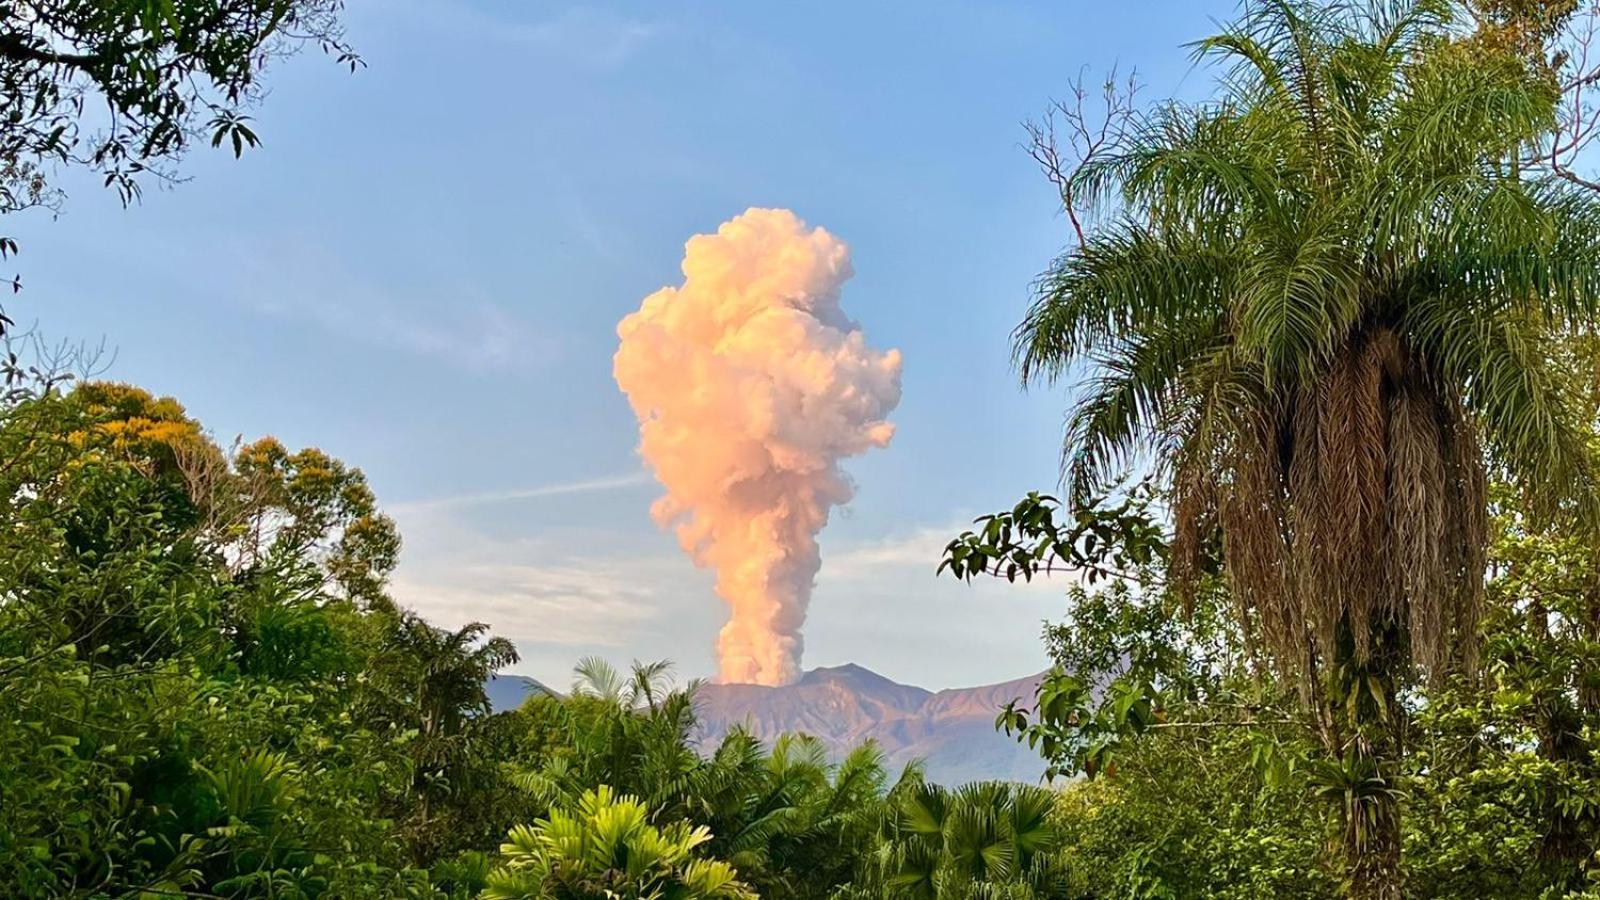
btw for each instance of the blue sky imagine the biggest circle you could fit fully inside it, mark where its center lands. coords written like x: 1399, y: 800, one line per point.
x: 422, y: 268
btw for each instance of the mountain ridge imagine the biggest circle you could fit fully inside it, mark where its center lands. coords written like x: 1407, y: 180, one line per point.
x: 951, y: 730
x: 507, y: 692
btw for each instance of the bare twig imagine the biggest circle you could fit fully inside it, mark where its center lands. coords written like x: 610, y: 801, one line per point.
x: 1575, y: 61
x: 1076, y: 131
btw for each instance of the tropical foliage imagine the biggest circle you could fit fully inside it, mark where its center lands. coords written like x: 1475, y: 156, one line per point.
x: 1317, y: 306
x: 124, y: 88
x: 1328, y: 536
x: 607, y: 848
x: 981, y: 840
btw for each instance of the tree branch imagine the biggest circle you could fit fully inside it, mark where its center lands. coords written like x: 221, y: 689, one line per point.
x: 14, y: 47
x: 1087, y: 135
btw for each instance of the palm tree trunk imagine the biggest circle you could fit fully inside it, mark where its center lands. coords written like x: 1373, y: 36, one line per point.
x: 1364, y: 696
x: 1374, y: 868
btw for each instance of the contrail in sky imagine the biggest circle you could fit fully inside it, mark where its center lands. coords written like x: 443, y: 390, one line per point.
x: 612, y: 483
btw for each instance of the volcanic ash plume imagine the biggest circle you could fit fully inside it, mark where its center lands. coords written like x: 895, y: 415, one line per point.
x: 750, y: 385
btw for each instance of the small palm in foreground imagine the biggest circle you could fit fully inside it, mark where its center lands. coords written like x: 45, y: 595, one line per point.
x: 606, y: 847
x: 991, y: 839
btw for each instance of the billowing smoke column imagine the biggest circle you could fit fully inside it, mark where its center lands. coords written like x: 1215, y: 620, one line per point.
x: 750, y: 385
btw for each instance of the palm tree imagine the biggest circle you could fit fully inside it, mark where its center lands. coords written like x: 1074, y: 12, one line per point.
x: 787, y: 817
x: 595, y: 677
x: 432, y: 679
x: 605, y: 847
x: 644, y: 685
x: 630, y: 732
x: 982, y: 840
x: 1318, y: 306
x: 451, y: 670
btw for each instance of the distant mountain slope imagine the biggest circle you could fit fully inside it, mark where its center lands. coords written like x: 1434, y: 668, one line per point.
x: 508, y: 691
x: 953, y: 730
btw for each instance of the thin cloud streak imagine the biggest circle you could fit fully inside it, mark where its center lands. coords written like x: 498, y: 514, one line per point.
x: 590, y: 486
x: 298, y: 281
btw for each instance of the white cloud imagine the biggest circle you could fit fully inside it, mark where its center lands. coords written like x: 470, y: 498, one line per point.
x: 595, y: 36
x: 581, y: 34
x: 305, y: 284
x: 919, y: 551
x: 920, y: 548
x: 559, y: 591
x: 480, y: 336
x: 581, y: 602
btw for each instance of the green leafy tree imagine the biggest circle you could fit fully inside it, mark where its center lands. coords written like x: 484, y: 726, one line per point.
x: 164, y: 73
x: 172, y: 724
x: 1124, y: 655
x: 1198, y: 810
x: 631, y: 732
x: 1510, y: 786
x: 1318, y: 302
x: 304, y: 505
x: 124, y: 87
